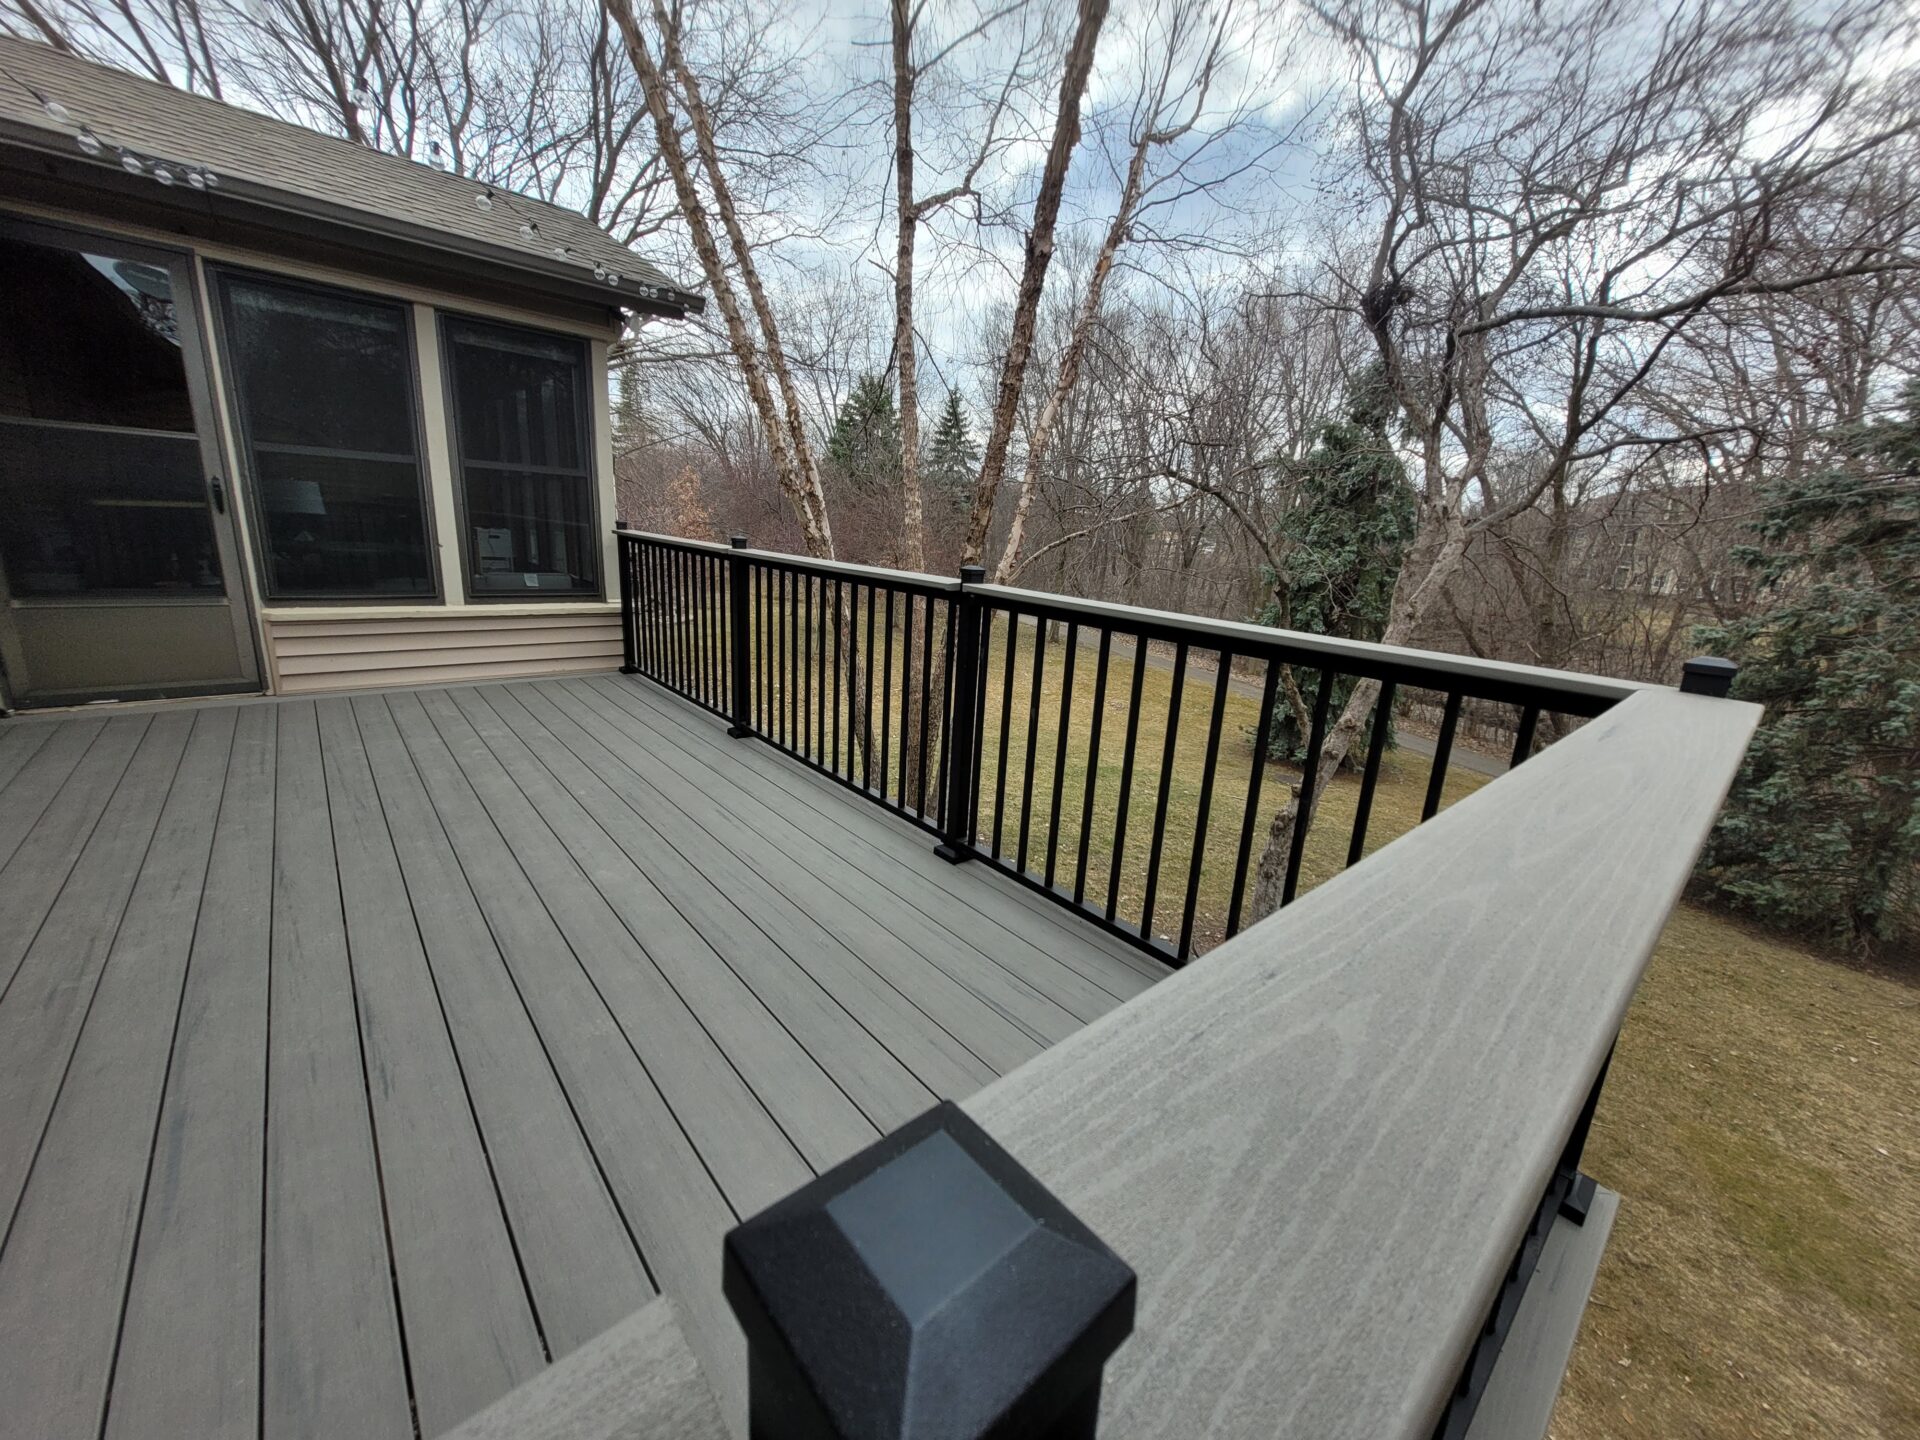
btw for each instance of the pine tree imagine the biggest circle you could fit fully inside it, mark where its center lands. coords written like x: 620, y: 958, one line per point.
x: 1343, y: 542
x: 865, y: 443
x: 952, y: 456
x: 1822, y: 829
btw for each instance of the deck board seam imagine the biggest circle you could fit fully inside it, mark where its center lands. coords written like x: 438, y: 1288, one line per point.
x: 453, y: 1049
x: 366, y: 1080
x: 106, y: 959
x: 669, y: 900
x: 747, y: 861
x: 905, y: 893
x: 592, y: 983
x: 561, y: 848
x: 819, y: 788
x: 586, y: 1137
x: 166, y: 1077
x: 93, y: 827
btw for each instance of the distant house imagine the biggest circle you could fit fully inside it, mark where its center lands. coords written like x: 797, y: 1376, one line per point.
x: 281, y: 413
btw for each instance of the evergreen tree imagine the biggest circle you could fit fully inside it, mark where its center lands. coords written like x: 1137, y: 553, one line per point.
x: 1343, y: 542
x: 865, y: 443
x: 1822, y: 829
x: 952, y: 456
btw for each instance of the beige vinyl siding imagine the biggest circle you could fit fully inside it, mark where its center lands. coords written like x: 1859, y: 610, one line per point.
x: 332, y: 650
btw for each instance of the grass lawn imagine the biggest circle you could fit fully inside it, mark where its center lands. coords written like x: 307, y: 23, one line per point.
x: 1761, y: 1120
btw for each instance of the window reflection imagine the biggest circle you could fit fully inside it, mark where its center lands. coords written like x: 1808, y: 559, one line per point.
x: 100, y: 470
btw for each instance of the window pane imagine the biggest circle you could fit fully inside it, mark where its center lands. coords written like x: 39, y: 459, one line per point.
x: 519, y: 398
x: 98, y: 511
x: 325, y: 383
x: 328, y: 371
x: 89, y: 339
x: 520, y: 421
x: 342, y: 525
x: 529, y: 532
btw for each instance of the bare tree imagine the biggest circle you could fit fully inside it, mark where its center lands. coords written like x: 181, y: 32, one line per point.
x: 1558, y: 197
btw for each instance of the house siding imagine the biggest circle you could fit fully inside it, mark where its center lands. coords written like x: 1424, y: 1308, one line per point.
x: 331, y: 649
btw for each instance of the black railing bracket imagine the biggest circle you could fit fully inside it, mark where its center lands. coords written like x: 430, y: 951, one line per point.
x: 928, y: 1286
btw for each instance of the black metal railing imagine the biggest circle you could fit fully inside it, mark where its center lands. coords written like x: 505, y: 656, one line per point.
x: 1118, y: 760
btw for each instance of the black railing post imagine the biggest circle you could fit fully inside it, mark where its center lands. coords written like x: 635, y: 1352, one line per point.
x: 965, y: 672
x: 1708, y: 675
x: 739, y: 641
x: 629, y: 629
x: 927, y: 1286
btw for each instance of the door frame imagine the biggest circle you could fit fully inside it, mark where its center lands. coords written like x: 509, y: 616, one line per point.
x: 217, y: 488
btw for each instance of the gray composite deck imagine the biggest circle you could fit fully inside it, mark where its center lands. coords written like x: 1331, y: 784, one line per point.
x: 361, y: 1055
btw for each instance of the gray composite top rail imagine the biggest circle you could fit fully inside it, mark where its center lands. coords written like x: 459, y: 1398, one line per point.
x: 1319, y: 1148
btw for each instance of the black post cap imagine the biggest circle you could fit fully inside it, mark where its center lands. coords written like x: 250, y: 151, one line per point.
x: 972, y: 574
x: 739, y: 542
x: 1708, y: 675
x: 927, y: 1287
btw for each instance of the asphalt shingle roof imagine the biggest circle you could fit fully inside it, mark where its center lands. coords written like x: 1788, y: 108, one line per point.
x: 160, y: 122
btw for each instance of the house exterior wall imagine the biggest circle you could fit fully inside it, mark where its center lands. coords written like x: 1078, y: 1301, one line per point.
x: 335, y: 645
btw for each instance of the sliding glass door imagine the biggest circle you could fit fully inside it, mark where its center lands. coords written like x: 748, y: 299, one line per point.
x: 119, y: 574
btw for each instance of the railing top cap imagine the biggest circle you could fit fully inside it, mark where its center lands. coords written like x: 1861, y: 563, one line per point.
x: 1447, y: 672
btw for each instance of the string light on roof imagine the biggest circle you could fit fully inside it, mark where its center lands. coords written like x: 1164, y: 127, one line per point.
x: 166, y: 172
x: 484, y: 199
x: 88, y: 141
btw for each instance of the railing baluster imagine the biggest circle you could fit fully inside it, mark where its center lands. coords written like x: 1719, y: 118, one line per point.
x: 978, y: 750
x: 806, y: 724
x: 1376, y: 747
x: 1523, y: 737
x: 839, y: 639
x: 926, y: 697
x: 1176, y: 694
x: 886, y: 700
x: 1256, y: 776
x: 866, y: 705
x: 1204, y: 806
x: 1006, y: 728
x: 1309, y: 778
x: 1126, y: 774
x: 1442, y: 749
x: 1033, y: 735
x: 906, y: 695
x: 1093, y: 766
x: 1060, y: 746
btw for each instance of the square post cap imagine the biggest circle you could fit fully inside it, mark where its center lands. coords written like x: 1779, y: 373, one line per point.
x: 1708, y: 675
x: 929, y: 1286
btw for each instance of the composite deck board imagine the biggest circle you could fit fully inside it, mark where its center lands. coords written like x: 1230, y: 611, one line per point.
x: 815, y: 1114
x: 465, y: 1309
x: 332, y: 1363
x: 996, y: 1038
x: 752, y: 1158
x: 1044, y: 1010
x: 189, y: 1357
x: 1110, y: 962
x: 1036, y: 937
x: 876, y: 992
x: 64, y: 1267
x: 366, y: 1054
x: 17, y: 746
x: 36, y: 874
x: 716, y: 895
x: 581, y: 1263
x: 41, y: 773
x: 46, y: 1004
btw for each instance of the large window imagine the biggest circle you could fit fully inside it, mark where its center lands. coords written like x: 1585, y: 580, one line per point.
x: 520, y: 426
x: 324, y: 386
x: 102, y: 491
